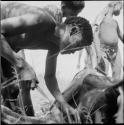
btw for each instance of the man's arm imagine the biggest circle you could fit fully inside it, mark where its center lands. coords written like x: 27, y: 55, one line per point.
x: 79, y: 59
x: 97, y: 45
x: 100, y: 16
x: 50, y: 76
x: 90, y: 56
x: 52, y: 84
x: 120, y: 35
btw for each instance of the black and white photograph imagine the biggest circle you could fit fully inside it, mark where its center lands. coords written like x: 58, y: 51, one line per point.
x: 62, y: 62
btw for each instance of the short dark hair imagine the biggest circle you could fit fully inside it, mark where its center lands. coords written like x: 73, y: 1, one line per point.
x: 114, y: 3
x: 84, y: 26
x: 74, y: 5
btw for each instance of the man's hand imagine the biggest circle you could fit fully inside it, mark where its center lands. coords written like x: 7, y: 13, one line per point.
x: 70, y: 114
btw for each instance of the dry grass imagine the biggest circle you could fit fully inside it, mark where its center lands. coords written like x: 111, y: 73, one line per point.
x: 42, y: 102
x: 44, y: 110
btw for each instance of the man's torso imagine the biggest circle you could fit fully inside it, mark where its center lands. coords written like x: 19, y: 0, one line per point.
x: 108, y: 32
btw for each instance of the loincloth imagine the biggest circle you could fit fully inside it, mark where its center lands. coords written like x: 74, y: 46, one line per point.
x: 110, y: 52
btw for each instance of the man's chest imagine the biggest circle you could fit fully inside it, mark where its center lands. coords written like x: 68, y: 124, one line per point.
x: 33, y: 40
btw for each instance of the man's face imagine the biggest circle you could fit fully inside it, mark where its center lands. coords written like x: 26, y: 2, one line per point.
x: 71, y: 40
x: 117, y: 9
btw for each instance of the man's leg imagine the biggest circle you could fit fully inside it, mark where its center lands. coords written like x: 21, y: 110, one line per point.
x: 26, y: 98
x: 116, y: 67
x: 9, y: 93
x: 25, y: 93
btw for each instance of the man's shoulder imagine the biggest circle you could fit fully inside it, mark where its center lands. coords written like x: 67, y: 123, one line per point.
x: 52, y: 7
x: 55, y: 12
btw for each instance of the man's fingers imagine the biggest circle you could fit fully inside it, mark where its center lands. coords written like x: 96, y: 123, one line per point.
x: 68, y: 115
x: 73, y: 114
x: 77, y: 117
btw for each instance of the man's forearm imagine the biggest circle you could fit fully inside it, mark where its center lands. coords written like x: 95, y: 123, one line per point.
x: 97, y: 42
x: 53, y: 87
x: 90, y: 54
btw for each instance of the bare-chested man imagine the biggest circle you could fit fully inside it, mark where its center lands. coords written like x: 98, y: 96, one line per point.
x: 35, y: 28
x: 107, y: 43
x: 68, y: 8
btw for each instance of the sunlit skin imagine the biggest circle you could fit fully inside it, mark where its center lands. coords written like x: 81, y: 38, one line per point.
x: 109, y: 34
x: 33, y: 28
x: 109, y: 30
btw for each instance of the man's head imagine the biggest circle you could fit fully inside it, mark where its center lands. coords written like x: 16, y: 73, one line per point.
x: 117, y: 6
x: 72, y: 8
x: 77, y: 34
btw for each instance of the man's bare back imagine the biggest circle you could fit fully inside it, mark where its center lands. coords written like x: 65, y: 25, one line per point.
x: 33, y: 38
